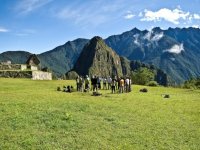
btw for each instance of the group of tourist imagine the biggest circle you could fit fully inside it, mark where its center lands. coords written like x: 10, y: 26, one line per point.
x: 95, y: 83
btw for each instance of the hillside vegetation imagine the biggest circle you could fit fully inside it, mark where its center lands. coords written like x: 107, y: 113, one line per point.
x: 33, y: 115
x: 193, y: 83
x: 176, y: 51
x: 99, y: 59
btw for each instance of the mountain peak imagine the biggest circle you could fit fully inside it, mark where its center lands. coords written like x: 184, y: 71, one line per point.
x: 96, y: 38
x: 135, y: 30
x: 157, y: 29
x: 98, y: 59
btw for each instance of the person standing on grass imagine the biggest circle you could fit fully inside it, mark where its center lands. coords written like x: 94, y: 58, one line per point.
x: 87, y: 83
x: 92, y: 83
x: 113, y: 83
x: 81, y: 83
x: 130, y: 84
x: 118, y: 83
x: 127, y: 84
x: 77, y: 84
x: 95, y: 88
x: 104, y: 83
x: 121, y: 87
x: 99, y: 82
x: 109, y: 80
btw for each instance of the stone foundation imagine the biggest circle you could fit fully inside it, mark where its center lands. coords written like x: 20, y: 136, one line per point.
x: 34, y: 75
x: 17, y: 67
x: 16, y: 74
x: 40, y: 75
x: 11, y: 67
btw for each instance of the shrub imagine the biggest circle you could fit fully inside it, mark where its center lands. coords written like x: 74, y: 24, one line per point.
x: 152, y: 83
x: 193, y: 83
x: 71, y: 75
x: 142, y: 76
x: 144, y: 90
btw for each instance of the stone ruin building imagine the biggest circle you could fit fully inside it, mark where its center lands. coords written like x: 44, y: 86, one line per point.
x: 29, y: 70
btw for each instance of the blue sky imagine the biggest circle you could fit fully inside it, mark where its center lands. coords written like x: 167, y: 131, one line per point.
x: 40, y: 25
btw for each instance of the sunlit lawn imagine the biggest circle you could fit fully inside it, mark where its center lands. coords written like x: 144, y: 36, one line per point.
x: 33, y: 115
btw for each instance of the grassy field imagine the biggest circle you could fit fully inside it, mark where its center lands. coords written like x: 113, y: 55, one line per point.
x: 33, y: 115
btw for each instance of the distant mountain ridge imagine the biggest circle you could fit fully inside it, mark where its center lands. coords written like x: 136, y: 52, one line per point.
x: 17, y: 57
x: 97, y: 58
x: 175, y: 50
x: 59, y: 59
x: 62, y: 58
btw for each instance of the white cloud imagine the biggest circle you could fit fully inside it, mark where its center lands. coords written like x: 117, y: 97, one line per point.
x: 140, y: 14
x: 136, y: 41
x: 148, y: 35
x: 82, y: 16
x: 151, y: 36
x: 176, y: 49
x: 196, y: 16
x: 172, y: 16
x: 2, y: 29
x: 196, y: 26
x: 90, y: 14
x: 157, y: 37
x: 25, y: 32
x: 26, y: 6
x: 129, y: 15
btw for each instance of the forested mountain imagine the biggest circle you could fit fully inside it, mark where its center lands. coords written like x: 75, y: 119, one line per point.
x: 175, y: 50
x: 17, y: 57
x: 62, y: 58
x: 99, y: 59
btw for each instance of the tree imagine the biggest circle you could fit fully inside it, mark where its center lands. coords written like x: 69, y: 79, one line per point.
x: 142, y: 76
x: 193, y: 83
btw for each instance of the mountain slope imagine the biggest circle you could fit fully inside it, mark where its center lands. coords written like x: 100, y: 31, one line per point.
x: 17, y: 57
x: 59, y: 60
x: 97, y: 58
x: 176, y: 51
x: 63, y: 58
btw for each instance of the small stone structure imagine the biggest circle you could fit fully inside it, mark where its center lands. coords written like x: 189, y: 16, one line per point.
x: 40, y: 75
x: 28, y: 70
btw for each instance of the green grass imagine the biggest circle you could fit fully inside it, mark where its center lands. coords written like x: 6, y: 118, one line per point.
x: 33, y: 115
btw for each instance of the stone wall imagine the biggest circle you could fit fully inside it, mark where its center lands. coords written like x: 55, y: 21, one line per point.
x: 23, y: 67
x: 17, y: 67
x: 16, y: 74
x: 40, y: 75
x: 34, y: 75
x: 10, y: 67
x: 34, y: 68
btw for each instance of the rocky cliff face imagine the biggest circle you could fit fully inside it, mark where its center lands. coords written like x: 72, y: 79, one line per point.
x: 176, y: 51
x: 98, y: 59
